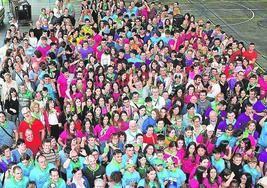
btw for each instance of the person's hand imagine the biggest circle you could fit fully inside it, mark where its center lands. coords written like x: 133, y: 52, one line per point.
x: 232, y: 175
x: 83, y: 139
x: 13, y: 110
x: 68, y: 182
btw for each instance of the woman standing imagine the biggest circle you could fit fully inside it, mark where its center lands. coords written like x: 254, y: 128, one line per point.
x: 52, y: 118
x: 69, y: 133
x: 12, y: 106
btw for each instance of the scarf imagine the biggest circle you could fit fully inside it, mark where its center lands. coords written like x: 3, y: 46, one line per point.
x: 4, y: 125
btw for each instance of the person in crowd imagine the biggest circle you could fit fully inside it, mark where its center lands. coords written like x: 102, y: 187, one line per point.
x: 8, y: 131
x: 129, y: 97
x: 18, y: 179
x: 40, y: 173
x: 54, y: 180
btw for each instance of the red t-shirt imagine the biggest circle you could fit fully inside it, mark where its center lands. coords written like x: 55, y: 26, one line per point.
x: 250, y: 55
x: 34, y: 145
x: 150, y: 140
x: 36, y: 127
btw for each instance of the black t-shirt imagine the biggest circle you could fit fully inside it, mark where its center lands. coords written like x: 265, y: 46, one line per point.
x: 38, y: 33
x: 91, y: 175
x: 63, y: 18
x: 237, y: 170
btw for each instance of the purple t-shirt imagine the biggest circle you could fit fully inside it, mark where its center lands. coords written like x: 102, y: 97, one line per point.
x: 85, y: 52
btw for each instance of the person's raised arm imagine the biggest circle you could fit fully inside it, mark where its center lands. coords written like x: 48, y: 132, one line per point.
x: 130, y: 83
x: 261, y: 123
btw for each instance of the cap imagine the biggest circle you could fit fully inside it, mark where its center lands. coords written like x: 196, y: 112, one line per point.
x: 210, y: 128
x: 158, y: 162
x: 130, y: 164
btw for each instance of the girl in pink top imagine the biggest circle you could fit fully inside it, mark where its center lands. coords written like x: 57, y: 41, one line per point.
x: 191, y: 160
x: 213, y: 180
x: 189, y: 94
x: 116, y: 121
x: 116, y: 93
x: 68, y: 133
x: 103, y: 132
x: 208, y: 140
x: 244, y: 148
x: 204, y: 161
x: 198, y: 179
x: 171, y: 152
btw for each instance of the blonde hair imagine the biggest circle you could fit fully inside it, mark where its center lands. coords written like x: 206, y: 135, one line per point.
x: 33, y: 104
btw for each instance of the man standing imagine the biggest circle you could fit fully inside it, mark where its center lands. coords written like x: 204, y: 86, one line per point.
x: 50, y: 154
x: 30, y: 122
x: 54, y: 180
x: 115, y: 164
x: 40, y: 173
x: 7, y: 128
x: 93, y: 170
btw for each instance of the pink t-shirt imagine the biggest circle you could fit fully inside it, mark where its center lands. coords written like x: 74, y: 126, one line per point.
x: 193, y: 183
x: 210, y: 146
x: 217, y: 184
x: 63, y: 84
x: 103, y: 135
x: 65, y: 135
x: 188, y: 164
x: 43, y: 50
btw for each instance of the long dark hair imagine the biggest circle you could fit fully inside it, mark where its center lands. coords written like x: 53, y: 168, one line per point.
x: 151, y: 168
x: 223, y: 145
x: 216, y: 178
x: 199, y: 173
x: 249, y: 179
x: 205, y: 137
x: 187, y: 153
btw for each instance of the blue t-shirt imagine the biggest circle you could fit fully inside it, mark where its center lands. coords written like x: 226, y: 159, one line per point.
x: 262, y: 140
x: 113, y: 166
x: 151, y: 184
x: 5, y: 139
x: 125, y: 159
x: 40, y: 176
x: 26, y: 170
x: 219, y: 165
x: 11, y: 182
x: 16, y: 155
x: 163, y: 175
x: 129, y: 178
x: 253, y: 172
x: 80, y: 163
x: 177, y: 177
x: 60, y: 184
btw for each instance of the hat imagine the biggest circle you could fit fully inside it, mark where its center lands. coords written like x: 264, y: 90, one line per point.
x: 169, y: 164
x: 158, y: 162
x: 130, y: 164
x: 136, y: 144
x: 210, y: 128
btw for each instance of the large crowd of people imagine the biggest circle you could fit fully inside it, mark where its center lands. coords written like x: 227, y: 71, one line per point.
x: 129, y: 95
